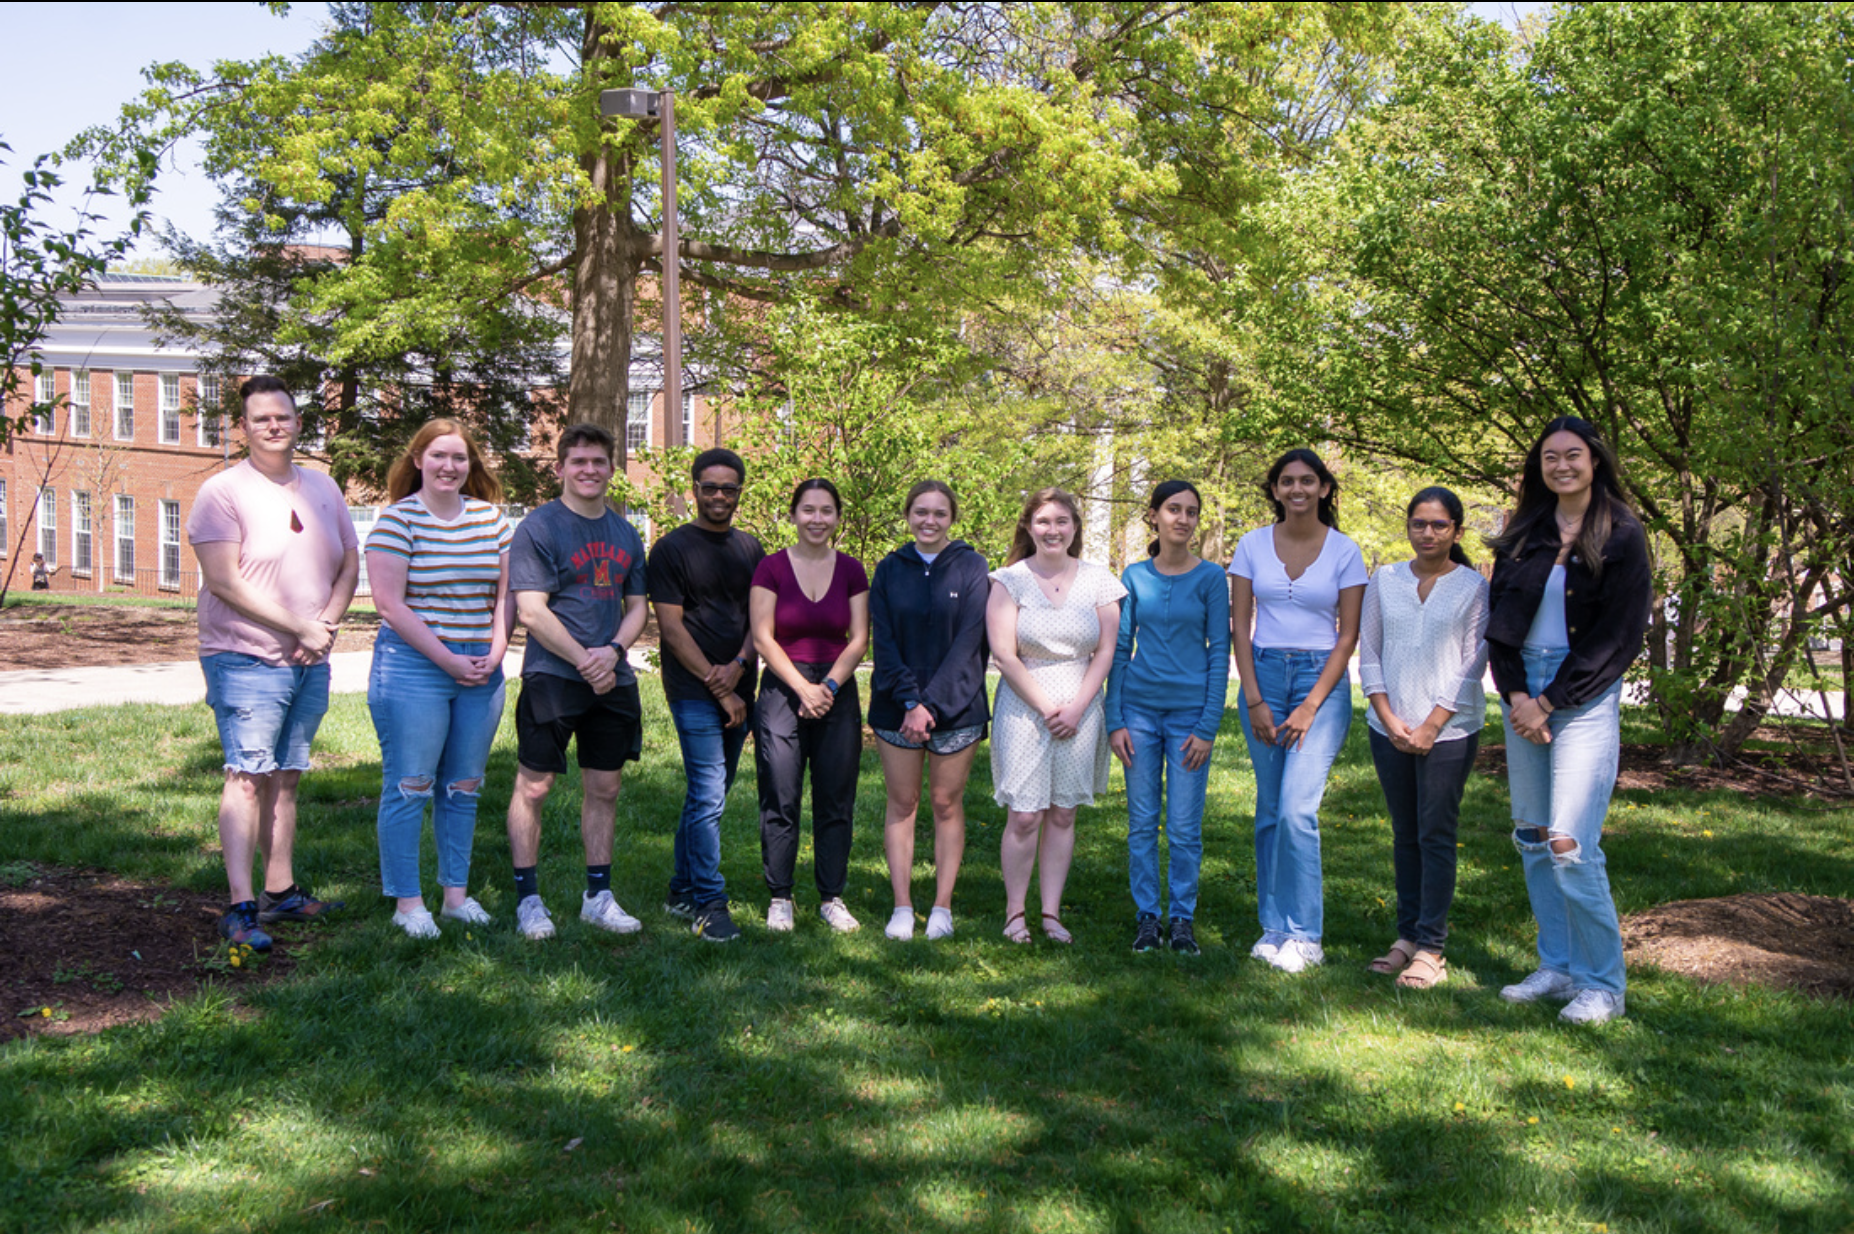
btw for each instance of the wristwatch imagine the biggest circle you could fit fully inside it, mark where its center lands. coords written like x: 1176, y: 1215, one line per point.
x: 830, y: 685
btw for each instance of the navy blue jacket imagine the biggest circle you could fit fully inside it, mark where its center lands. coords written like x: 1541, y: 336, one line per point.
x: 928, y: 626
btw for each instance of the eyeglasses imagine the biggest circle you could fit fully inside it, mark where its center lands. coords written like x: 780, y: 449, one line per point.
x: 1441, y: 526
x: 718, y: 490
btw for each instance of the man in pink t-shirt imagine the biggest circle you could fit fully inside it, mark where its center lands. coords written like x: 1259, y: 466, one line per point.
x: 280, y: 560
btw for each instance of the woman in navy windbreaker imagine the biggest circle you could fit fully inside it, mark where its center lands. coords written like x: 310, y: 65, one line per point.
x: 927, y: 701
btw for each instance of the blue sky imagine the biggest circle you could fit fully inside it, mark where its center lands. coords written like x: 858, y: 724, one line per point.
x: 75, y: 65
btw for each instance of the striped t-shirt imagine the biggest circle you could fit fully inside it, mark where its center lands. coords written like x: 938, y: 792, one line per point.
x: 451, y: 568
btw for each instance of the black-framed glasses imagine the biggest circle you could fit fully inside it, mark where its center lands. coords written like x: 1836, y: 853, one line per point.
x: 717, y: 490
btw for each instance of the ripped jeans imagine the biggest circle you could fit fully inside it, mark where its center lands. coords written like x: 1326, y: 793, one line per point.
x: 434, y: 745
x: 1562, y: 790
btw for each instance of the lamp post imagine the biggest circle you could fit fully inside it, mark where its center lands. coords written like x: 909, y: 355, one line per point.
x: 661, y: 106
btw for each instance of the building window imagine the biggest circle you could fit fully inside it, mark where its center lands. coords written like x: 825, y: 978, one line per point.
x: 80, y: 533
x: 125, y: 538
x: 209, y: 415
x: 170, y: 544
x: 688, y: 419
x: 125, y: 406
x: 169, y: 424
x: 637, y: 420
x: 80, y: 403
x: 42, y: 395
x: 5, y: 542
x: 48, y: 524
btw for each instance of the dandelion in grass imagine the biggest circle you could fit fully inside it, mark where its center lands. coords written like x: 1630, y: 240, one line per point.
x: 628, y: 1049
x: 1460, y: 1106
x: 1569, y: 1082
x: 1533, y: 1121
x: 1706, y: 834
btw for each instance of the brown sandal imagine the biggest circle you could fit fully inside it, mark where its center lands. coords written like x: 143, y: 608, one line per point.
x: 1021, y: 934
x: 1427, y: 969
x: 1056, y: 933
x: 1395, y: 960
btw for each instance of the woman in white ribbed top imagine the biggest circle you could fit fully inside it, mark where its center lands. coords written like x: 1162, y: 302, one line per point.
x: 1422, y: 650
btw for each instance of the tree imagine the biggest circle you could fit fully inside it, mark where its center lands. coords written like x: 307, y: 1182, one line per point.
x: 1624, y: 222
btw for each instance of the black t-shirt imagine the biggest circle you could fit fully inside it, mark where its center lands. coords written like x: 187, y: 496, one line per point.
x: 709, y: 574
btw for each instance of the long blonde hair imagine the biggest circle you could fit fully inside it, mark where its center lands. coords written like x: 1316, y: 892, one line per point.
x: 1023, y: 545
x: 405, y: 478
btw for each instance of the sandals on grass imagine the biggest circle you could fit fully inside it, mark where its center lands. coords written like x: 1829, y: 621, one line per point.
x: 1016, y: 930
x: 1426, y: 969
x: 1396, y: 959
x: 1053, y: 928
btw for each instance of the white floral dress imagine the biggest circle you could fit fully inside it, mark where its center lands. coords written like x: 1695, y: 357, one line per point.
x: 1031, y: 770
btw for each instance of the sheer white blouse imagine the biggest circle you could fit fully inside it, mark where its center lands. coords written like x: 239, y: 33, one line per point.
x: 1425, y: 654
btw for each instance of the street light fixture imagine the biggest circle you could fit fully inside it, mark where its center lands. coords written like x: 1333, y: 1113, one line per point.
x: 661, y: 106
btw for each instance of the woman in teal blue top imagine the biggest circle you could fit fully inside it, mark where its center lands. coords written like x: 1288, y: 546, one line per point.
x: 1164, y: 706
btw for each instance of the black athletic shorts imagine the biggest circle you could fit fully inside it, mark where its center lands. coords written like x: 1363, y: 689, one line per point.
x: 553, y: 710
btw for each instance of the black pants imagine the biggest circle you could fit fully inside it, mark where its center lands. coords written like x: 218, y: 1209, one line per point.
x: 1423, y: 792
x: 784, y: 745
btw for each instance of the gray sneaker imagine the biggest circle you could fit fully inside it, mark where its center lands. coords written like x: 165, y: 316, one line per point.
x: 602, y: 910
x: 1593, y: 1007
x: 532, y: 919
x: 837, y: 915
x: 781, y: 916
x: 1266, y: 946
x: 1543, y: 983
x: 1146, y: 934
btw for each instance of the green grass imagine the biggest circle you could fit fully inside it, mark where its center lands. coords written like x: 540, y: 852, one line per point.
x: 814, y: 1082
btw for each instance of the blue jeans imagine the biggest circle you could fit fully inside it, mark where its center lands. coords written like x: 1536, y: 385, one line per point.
x: 1158, y: 756
x: 710, y: 756
x: 434, y: 733
x: 267, y: 713
x: 1563, y: 789
x: 1289, y: 785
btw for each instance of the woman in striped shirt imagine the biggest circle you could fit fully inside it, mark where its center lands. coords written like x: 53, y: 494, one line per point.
x: 438, y: 562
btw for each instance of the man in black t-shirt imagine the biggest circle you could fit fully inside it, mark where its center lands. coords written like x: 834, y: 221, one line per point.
x: 700, y: 575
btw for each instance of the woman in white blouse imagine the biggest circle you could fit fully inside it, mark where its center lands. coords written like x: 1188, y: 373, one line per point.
x: 1299, y: 583
x: 1052, y: 619
x: 1421, y: 653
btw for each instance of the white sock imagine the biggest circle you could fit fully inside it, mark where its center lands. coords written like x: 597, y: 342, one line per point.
x: 940, y: 923
x: 901, y: 924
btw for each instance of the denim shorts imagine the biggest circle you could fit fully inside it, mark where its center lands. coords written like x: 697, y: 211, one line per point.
x: 267, y: 713
x: 940, y: 741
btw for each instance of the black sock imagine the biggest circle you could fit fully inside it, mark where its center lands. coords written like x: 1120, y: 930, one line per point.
x: 598, y: 878
x: 285, y: 894
x: 527, y: 882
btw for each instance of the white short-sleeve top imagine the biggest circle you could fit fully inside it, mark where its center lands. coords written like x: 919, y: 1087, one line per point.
x: 1067, y: 631
x: 1299, y: 614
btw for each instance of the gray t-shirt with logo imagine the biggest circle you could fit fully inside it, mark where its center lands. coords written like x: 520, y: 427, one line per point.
x: 586, y: 566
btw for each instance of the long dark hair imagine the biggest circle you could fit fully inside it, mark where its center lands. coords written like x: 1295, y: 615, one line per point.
x: 1023, y: 545
x: 1538, y: 504
x: 1329, y: 504
x: 1448, y: 501
x: 1164, y: 493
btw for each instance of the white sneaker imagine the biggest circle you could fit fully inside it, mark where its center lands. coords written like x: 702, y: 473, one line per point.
x: 602, y: 911
x: 532, y: 919
x: 1266, y: 946
x: 1541, y: 984
x: 417, y: 923
x: 940, y: 923
x: 781, y: 916
x: 838, y: 916
x: 901, y: 924
x: 1593, y: 1007
x: 1297, y: 955
x: 469, y: 912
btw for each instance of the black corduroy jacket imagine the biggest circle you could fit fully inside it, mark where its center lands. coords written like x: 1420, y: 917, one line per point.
x: 927, y: 623
x: 1605, y: 616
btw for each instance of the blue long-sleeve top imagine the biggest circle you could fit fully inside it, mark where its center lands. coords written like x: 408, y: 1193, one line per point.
x: 1174, y: 645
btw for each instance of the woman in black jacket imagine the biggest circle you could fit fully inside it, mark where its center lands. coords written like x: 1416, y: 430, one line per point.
x: 1569, y: 604
x: 927, y: 700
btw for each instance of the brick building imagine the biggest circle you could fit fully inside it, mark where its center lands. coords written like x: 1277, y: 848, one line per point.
x: 104, y: 484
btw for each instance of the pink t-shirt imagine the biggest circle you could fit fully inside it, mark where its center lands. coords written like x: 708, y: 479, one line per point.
x: 291, y: 541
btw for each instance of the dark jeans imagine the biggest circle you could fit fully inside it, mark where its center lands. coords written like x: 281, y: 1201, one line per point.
x: 1423, y: 792
x: 784, y: 745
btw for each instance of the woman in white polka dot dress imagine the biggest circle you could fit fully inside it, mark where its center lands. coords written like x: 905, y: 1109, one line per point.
x: 1052, y: 620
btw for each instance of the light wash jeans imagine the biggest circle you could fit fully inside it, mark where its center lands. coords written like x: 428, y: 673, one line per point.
x: 1289, y: 785
x: 710, y: 756
x: 1563, y: 789
x: 434, y: 734
x: 1158, y: 763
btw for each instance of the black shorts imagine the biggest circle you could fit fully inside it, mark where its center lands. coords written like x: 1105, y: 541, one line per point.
x: 553, y: 710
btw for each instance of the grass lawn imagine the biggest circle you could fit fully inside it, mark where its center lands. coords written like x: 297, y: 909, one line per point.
x: 813, y: 1082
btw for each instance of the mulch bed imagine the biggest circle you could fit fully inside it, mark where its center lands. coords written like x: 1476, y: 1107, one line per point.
x: 1784, y: 940
x: 94, y: 950
x: 84, y: 636
x: 1806, y: 768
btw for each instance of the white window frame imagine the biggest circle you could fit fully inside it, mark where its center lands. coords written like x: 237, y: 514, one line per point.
x: 48, y: 525
x: 44, y: 390
x: 688, y: 418
x: 170, y: 544
x: 125, y: 538
x: 167, y: 419
x: 124, y: 412
x: 83, y: 534
x: 209, y: 417
x: 80, y: 402
x: 5, y: 540
x: 638, y: 400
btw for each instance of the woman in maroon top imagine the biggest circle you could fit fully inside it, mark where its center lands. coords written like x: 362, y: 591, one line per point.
x: 810, y: 613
